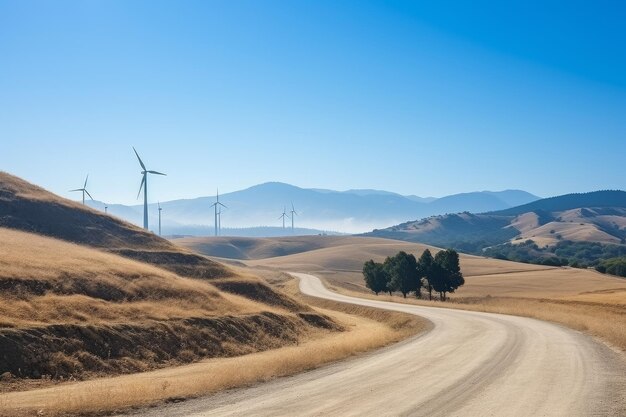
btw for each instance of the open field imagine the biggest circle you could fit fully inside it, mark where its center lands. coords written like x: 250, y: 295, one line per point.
x: 336, y: 253
x: 579, y: 298
x: 258, y: 248
x: 319, y: 347
x: 342, y: 263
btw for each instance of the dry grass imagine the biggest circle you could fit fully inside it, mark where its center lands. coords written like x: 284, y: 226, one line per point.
x: 27, y: 207
x: 573, y: 225
x: 47, y: 281
x: 581, y: 299
x: 69, y: 311
x: 258, y: 248
x: 209, y: 376
x: 604, y: 318
x: 349, y: 253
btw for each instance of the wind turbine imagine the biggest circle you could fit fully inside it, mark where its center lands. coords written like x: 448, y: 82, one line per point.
x: 217, y: 205
x: 106, y: 208
x: 84, y: 190
x: 282, y: 216
x: 293, y: 213
x: 219, y: 221
x: 144, y: 184
x: 159, y: 204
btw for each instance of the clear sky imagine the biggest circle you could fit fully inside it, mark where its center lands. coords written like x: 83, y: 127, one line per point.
x: 427, y: 98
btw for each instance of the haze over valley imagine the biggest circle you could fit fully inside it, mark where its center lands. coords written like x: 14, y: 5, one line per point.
x: 352, y: 211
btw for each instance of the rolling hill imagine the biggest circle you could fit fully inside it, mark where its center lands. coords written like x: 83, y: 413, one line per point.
x: 340, y: 261
x: 84, y: 294
x: 27, y: 207
x: 347, y: 211
x: 543, y: 227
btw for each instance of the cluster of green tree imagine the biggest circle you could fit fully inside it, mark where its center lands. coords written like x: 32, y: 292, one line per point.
x: 613, y: 266
x: 564, y: 253
x: 406, y: 274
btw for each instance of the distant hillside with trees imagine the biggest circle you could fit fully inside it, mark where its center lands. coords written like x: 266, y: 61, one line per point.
x: 580, y: 230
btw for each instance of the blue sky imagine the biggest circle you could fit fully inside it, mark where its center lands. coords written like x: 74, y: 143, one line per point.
x: 426, y: 98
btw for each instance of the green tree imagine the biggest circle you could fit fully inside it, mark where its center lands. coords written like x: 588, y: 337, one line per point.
x: 402, y: 271
x: 376, y: 278
x: 447, y: 274
x: 425, y: 270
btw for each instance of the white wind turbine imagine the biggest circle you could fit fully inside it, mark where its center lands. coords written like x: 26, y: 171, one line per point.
x: 144, y: 184
x: 293, y: 214
x: 217, y: 205
x: 160, y: 208
x: 282, y: 216
x: 84, y: 190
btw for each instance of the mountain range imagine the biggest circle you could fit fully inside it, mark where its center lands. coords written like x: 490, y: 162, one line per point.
x: 598, y: 217
x: 351, y: 211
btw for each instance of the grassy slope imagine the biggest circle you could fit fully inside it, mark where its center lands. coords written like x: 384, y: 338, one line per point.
x: 245, y: 248
x: 374, y: 330
x: 27, y: 207
x: 71, y: 306
x: 72, y: 311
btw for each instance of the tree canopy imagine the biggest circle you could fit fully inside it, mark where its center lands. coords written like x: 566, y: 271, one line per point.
x: 375, y: 276
x: 403, y: 273
x: 448, y: 276
x: 425, y: 270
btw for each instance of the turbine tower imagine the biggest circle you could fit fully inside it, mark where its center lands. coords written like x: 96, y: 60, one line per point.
x: 219, y: 221
x: 106, y: 208
x: 293, y: 213
x: 282, y: 216
x: 144, y: 184
x: 217, y: 205
x: 84, y: 190
x: 159, y: 204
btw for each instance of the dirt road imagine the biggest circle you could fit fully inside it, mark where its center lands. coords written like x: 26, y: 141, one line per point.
x: 469, y: 364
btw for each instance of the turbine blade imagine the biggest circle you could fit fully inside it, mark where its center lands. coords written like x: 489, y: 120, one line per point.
x: 221, y: 204
x: 140, y: 161
x: 155, y: 172
x: 89, y: 194
x: 143, y: 180
x: 85, y: 186
x: 78, y: 189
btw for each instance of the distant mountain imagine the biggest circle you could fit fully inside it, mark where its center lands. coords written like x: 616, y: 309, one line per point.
x: 607, y: 198
x: 513, y: 198
x: 598, y: 216
x: 421, y: 199
x: 350, y: 211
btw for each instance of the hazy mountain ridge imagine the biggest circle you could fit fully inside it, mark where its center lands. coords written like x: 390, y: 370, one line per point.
x: 598, y: 216
x: 350, y: 211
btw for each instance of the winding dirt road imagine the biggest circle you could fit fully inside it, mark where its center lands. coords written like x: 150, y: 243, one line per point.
x: 469, y: 364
